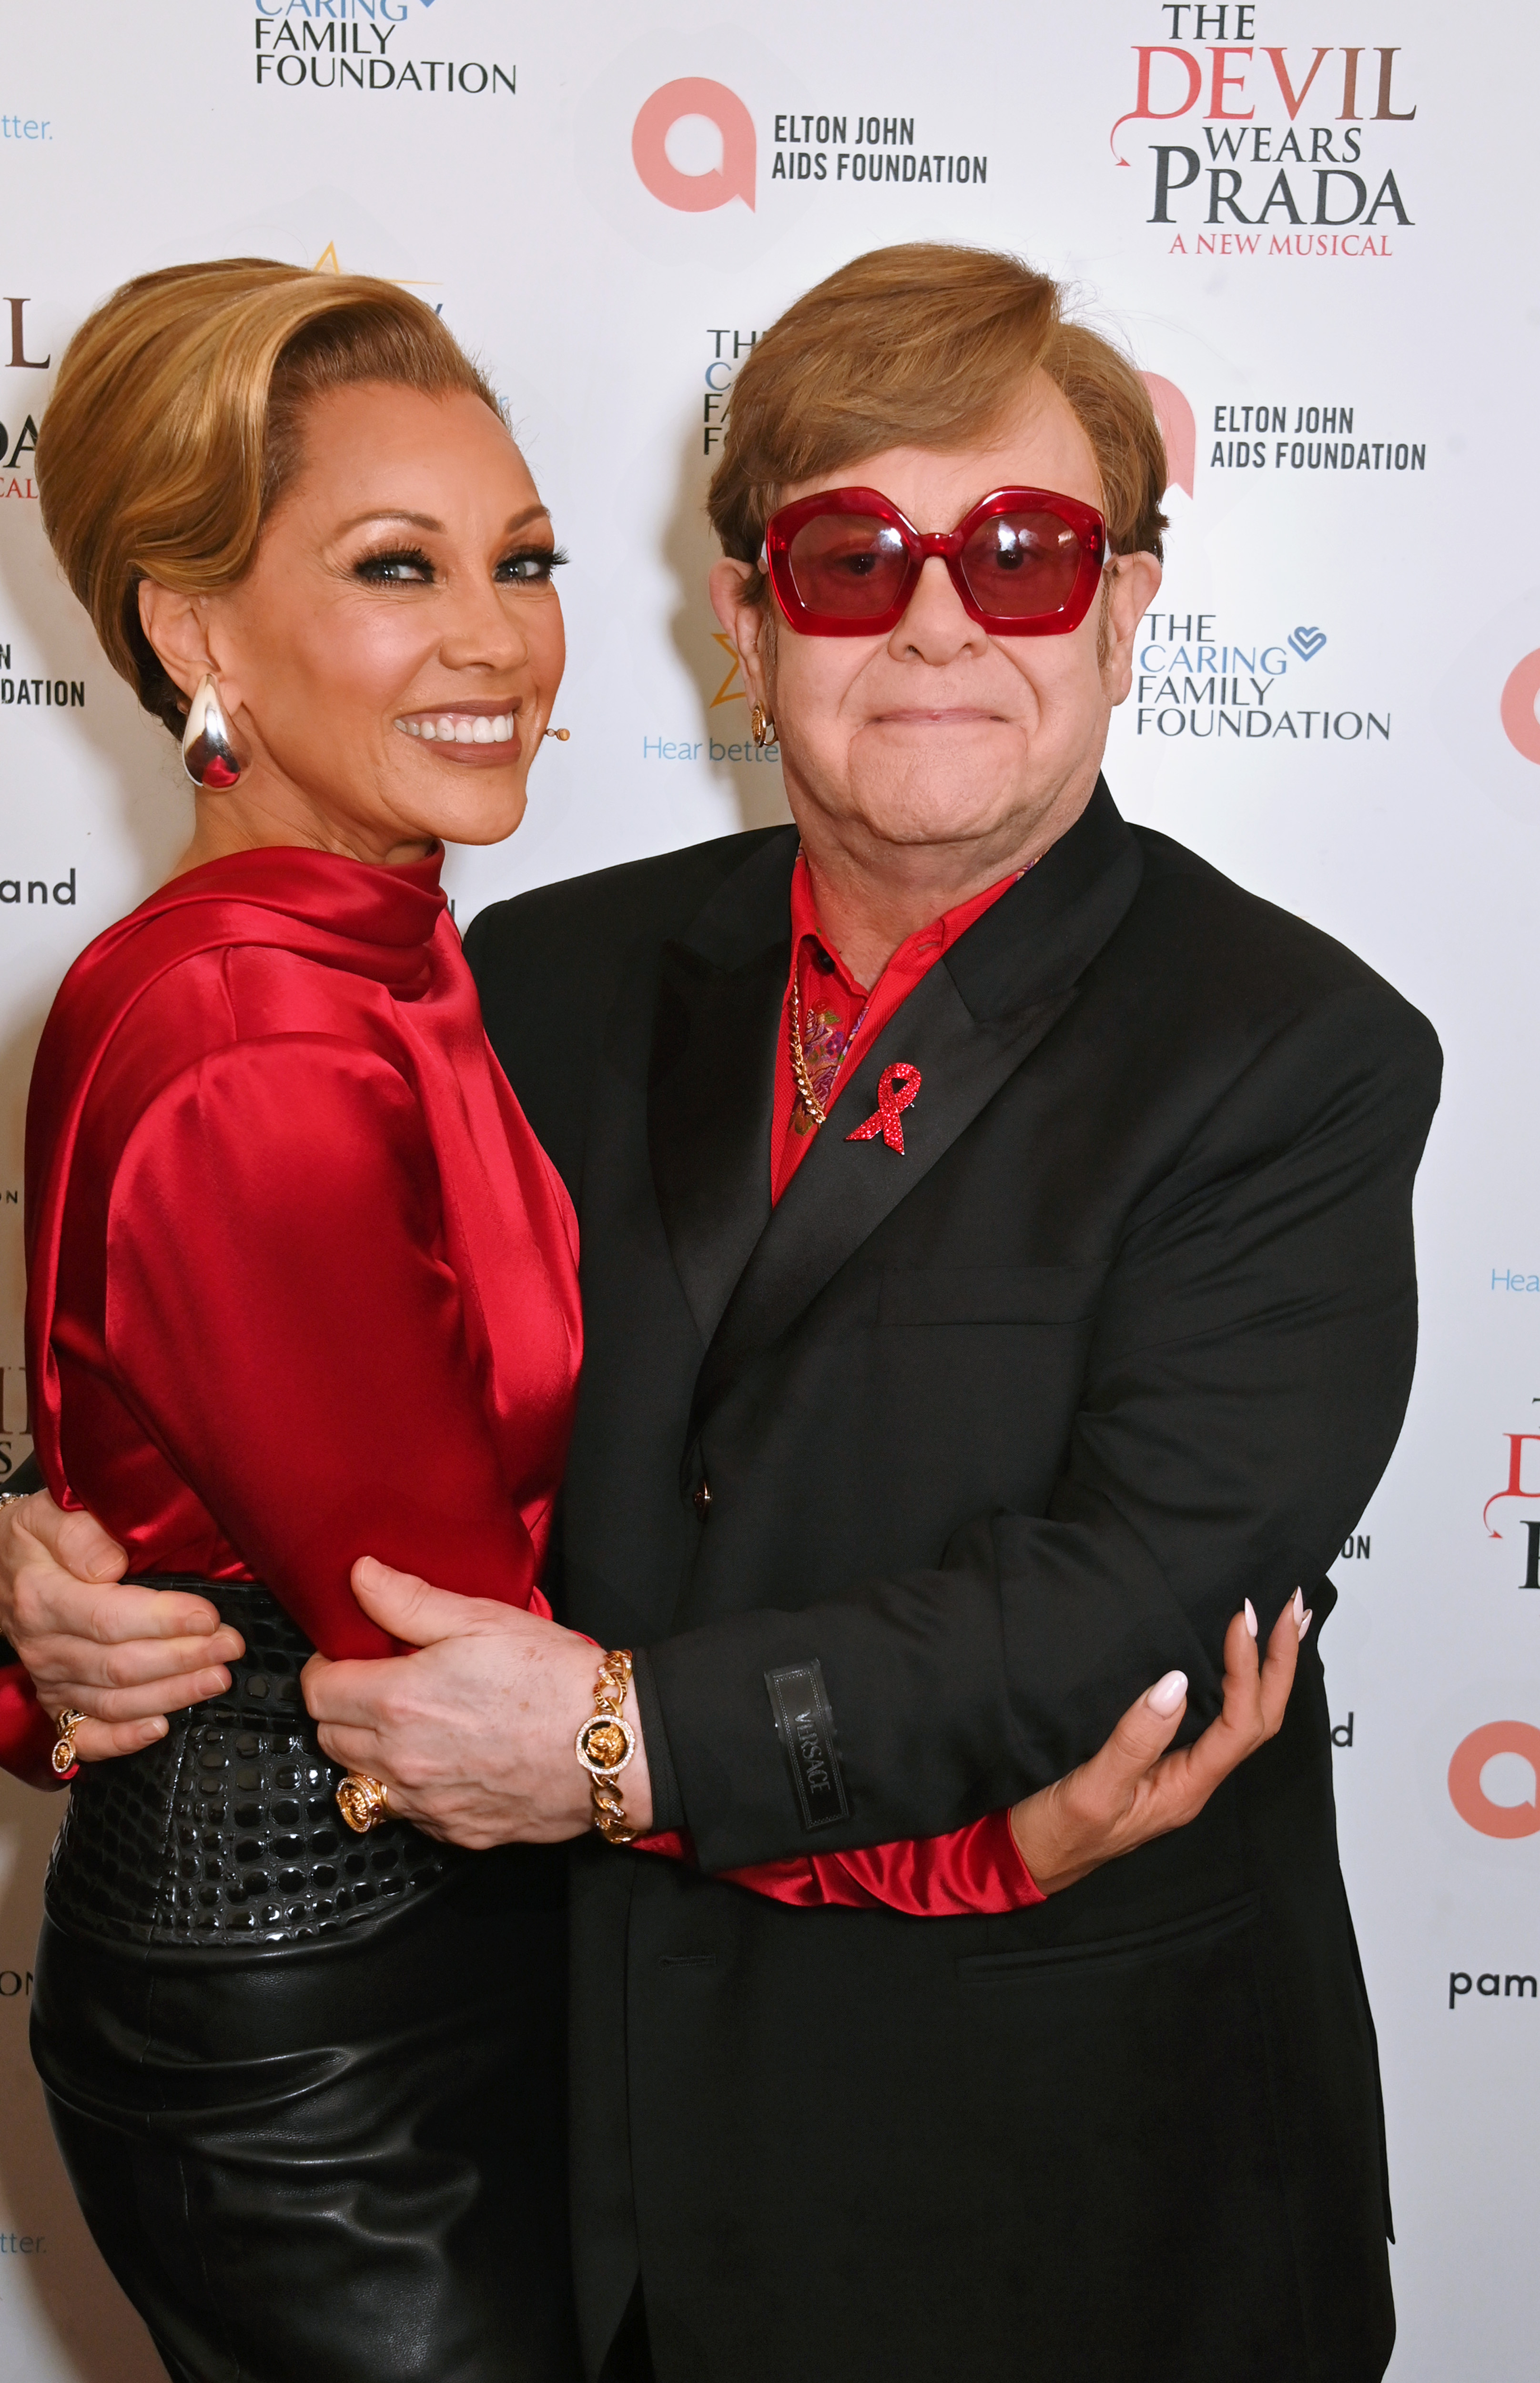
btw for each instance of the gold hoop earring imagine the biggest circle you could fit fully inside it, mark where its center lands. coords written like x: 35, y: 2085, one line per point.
x: 762, y: 724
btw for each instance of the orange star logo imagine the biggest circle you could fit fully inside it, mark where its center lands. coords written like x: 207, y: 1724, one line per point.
x: 329, y: 262
x: 731, y: 689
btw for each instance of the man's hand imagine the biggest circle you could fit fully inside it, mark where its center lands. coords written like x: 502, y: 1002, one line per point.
x: 1133, y: 1790
x: 472, y: 1734
x: 125, y: 1657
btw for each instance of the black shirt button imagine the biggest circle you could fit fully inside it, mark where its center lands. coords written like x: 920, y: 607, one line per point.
x: 703, y: 1500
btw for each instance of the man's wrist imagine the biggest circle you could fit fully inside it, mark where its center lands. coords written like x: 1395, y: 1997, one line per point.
x: 635, y: 1779
x: 632, y: 1784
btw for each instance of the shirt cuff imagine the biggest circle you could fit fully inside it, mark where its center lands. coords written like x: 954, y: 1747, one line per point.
x: 668, y: 1804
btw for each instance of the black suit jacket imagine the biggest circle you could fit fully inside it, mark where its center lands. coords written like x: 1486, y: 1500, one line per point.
x: 995, y: 1432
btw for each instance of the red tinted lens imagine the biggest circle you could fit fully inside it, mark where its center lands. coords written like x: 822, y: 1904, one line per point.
x: 848, y: 567
x: 1021, y: 566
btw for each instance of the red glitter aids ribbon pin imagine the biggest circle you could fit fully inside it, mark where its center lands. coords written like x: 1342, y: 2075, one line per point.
x: 896, y: 1089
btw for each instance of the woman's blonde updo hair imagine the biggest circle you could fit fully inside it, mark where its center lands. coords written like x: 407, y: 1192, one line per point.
x: 925, y: 345
x: 174, y: 428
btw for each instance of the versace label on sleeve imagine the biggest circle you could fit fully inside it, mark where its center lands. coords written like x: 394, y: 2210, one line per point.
x: 805, y: 1724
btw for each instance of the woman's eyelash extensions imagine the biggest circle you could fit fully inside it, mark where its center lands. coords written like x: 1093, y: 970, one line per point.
x: 527, y: 566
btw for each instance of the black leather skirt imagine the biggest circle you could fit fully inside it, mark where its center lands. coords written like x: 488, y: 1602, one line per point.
x: 310, y: 2087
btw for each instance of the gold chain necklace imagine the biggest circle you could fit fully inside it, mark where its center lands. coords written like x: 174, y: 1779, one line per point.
x: 810, y: 1101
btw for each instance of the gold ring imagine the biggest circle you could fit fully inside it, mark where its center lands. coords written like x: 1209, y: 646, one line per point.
x: 64, y: 1745
x: 362, y: 1802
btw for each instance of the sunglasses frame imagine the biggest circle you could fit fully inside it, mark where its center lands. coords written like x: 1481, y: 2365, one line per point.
x: 920, y: 545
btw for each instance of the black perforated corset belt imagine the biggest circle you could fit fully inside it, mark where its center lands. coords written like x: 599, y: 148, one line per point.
x: 227, y: 1831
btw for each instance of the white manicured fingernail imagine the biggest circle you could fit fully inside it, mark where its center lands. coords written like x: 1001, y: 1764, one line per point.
x: 1305, y: 1624
x: 1167, y: 1693
x: 1298, y: 1605
x: 1250, y: 1617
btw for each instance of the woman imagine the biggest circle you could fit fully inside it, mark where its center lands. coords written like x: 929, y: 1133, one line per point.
x: 284, y: 1210
x: 283, y: 1207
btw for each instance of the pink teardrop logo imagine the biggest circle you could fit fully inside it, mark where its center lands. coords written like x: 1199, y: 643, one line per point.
x: 1520, y: 724
x: 1177, y: 428
x: 694, y: 193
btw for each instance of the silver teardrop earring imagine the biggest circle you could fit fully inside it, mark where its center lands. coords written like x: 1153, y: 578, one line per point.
x: 208, y: 749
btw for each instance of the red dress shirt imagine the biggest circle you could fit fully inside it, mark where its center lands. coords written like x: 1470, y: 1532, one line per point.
x: 841, y: 1019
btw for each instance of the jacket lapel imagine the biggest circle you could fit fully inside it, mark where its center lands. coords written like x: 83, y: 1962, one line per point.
x: 967, y: 1027
x: 712, y: 1082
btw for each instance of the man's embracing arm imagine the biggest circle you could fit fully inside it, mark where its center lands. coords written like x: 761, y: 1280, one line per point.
x: 1247, y: 1379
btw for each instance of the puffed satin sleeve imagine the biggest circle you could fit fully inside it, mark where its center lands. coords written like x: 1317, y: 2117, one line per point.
x: 972, y: 1869
x: 280, y: 1319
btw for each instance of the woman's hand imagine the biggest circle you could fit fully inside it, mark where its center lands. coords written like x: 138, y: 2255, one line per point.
x: 1133, y: 1790
x: 124, y: 1657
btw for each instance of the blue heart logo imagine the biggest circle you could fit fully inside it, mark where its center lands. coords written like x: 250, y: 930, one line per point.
x: 1307, y: 643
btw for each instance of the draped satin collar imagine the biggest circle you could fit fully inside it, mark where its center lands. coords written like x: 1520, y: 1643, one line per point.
x: 380, y: 919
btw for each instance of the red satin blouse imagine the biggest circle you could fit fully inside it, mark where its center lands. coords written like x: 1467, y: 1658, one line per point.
x: 302, y: 1282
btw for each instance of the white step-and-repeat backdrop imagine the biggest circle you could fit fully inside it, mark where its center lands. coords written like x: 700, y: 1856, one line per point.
x: 1314, y: 221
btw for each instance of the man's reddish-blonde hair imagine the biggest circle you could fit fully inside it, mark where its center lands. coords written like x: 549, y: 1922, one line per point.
x: 925, y: 345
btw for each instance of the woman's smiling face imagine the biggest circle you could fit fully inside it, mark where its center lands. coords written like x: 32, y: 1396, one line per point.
x: 389, y: 662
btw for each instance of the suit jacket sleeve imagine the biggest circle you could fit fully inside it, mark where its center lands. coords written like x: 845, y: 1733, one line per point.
x: 1249, y: 1371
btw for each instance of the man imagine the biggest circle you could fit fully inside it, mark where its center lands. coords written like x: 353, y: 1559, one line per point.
x: 997, y: 1268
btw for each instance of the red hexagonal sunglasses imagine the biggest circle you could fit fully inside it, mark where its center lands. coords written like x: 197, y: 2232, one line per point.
x: 844, y: 563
